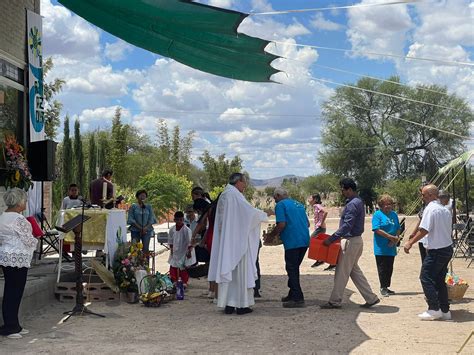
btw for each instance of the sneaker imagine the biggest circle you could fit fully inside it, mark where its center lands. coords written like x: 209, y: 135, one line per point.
x: 446, y: 316
x: 384, y: 292
x: 368, y: 305
x: 317, y: 263
x: 14, y: 336
x: 211, y: 295
x: 431, y: 315
x: 24, y: 331
x: 330, y: 305
x: 294, y: 304
x: 390, y: 292
x: 330, y: 268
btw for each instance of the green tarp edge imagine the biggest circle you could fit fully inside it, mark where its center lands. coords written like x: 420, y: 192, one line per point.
x: 197, y: 35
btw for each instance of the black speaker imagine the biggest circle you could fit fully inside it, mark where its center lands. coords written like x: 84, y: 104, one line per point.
x: 41, y: 159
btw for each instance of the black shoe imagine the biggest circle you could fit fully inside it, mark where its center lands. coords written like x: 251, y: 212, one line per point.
x: 286, y: 298
x: 384, y: 292
x: 229, y: 310
x: 245, y: 310
x: 330, y: 268
x: 256, y: 294
x: 317, y: 263
x: 368, y: 305
x: 390, y: 292
x: 294, y: 304
x: 329, y: 305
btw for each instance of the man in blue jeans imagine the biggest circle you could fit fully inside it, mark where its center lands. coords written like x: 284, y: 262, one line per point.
x: 436, y: 226
x: 293, y: 228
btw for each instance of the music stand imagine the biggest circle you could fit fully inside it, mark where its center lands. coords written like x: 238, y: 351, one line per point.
x: 76, y: 225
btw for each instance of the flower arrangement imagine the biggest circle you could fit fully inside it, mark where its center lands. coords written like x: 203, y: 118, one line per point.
x: 129, y: 258
x: 17, y: 173
x: 457, y: 287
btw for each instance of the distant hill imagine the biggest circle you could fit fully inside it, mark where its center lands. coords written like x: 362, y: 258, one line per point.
x: 274, y: 182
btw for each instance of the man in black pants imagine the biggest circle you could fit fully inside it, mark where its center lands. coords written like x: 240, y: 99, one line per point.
x: 293, y: 228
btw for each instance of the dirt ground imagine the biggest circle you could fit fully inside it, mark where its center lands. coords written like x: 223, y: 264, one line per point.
x: 195, y: 325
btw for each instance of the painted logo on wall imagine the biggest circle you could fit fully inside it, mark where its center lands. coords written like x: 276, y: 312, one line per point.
x: 35, y: 76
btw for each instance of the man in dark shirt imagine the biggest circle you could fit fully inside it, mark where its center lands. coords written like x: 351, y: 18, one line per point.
x: 351, y: 227
x: 102, y: 190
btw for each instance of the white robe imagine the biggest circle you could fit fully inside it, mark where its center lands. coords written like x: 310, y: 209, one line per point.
x: 235, y: 248
x: 180, y: 240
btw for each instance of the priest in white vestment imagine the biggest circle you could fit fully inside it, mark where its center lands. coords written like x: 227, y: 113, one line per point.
x: 235, y: 247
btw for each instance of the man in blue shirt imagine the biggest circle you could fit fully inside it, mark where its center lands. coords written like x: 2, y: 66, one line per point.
x: 351, y: 227
x: 293, y: 228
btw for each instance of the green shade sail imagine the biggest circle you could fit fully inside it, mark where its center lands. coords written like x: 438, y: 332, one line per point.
x: 462, y: 159
x: 200, y: 36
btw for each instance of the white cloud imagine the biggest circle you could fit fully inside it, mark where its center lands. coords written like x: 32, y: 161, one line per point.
x: 67, y: 34
x: 101, y: 117
x: 118, y: 50
x: 226, y: 4
x: 320, y: 23
x: 445, y: 32
x: 378, y: 29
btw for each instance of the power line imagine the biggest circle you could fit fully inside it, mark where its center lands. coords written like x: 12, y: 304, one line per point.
x: 385, y: 94
x: 405, y: 2
x: 434, y: 60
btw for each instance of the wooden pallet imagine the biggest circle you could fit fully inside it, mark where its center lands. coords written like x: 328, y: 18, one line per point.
x: 94, y: 291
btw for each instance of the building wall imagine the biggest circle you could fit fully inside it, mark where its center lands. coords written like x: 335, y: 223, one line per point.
x: 13, y: 27
x: 13, y: 49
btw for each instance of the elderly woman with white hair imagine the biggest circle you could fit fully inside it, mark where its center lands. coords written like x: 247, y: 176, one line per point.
x: 17, y: 245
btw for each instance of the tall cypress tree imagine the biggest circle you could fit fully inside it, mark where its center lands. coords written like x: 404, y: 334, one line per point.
x: 67, y: 162
x: 118, y: 151
x: 79, y: 169
x: 92, y: 159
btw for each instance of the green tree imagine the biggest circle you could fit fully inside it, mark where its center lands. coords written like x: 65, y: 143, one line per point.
x: 67, y: 160
x: 118, y: 147
x: 174, y: 150
x: 103, y: 149
x: 92, y: 159
x: 219, y: 169
x: 79, y: 167
x: 166, y: 192
x: 323, y: 184
x: 53, y: 107
x: 364, y: 137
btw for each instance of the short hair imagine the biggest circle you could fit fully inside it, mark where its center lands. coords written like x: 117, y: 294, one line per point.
x: 142, y: 191
x: 280, y: 191
x: 189, y: 208
x: 72, y: 185
x: 236, y: 177
x: 179, y: 214
x: 14, y: 196
x: 317, y: 198
x: 383, y: 199
x: 348, y: 183
x: 107, y: 172
x: 443, y: 193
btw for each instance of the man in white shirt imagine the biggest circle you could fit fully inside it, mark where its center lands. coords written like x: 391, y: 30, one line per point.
x: 436, y: 226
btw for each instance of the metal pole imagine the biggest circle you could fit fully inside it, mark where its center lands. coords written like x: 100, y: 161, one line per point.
x: 466, y: 195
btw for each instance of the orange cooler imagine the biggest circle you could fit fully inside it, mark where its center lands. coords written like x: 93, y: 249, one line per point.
x: 318, y: 251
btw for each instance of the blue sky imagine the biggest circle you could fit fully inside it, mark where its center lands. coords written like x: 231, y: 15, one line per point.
x: 274, y: 128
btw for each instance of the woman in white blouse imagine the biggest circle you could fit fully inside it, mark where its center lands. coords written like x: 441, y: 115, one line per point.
x: 17, y: 245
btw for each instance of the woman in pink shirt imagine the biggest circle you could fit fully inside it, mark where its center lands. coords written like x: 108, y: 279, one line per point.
x: 320, y: 215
